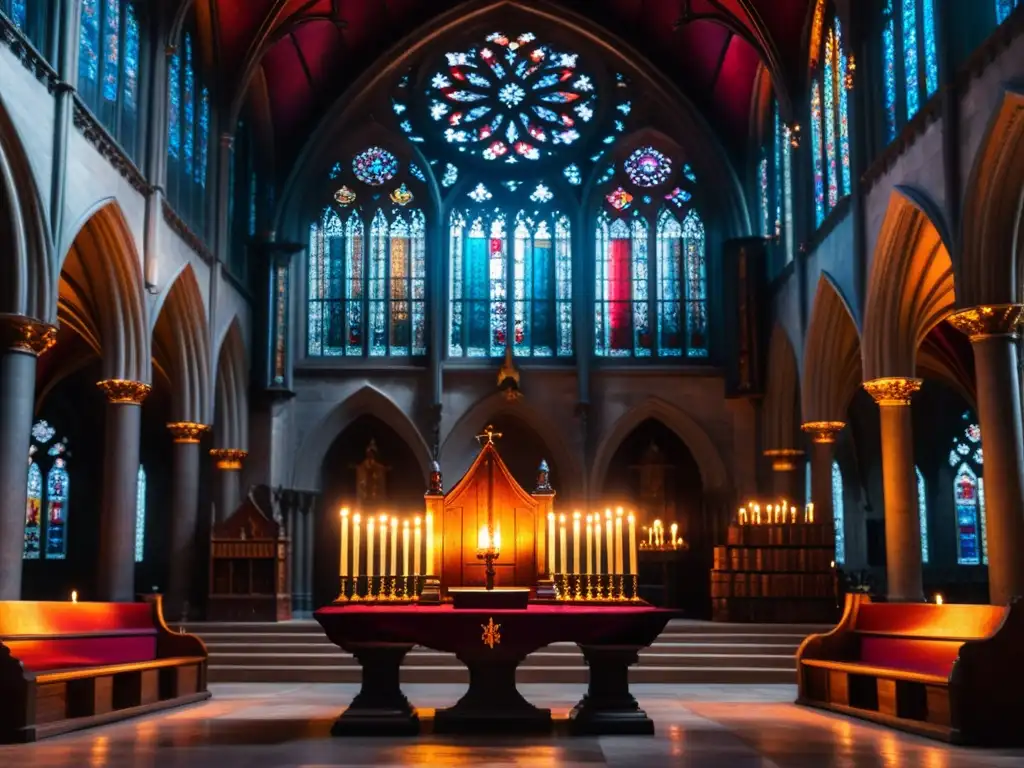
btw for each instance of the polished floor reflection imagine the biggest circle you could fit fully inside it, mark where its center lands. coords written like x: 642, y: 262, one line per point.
x: 286, y: 726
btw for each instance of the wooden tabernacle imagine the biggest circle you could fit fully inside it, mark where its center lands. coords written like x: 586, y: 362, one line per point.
x: 249, y: 568
x: 950, y: 672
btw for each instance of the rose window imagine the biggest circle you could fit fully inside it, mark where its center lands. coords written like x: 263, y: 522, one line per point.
x: 647, y: 167
x: 511, y: 99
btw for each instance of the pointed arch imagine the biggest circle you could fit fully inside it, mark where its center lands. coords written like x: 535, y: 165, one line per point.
x: 368, y: 400
x: 101, y: 280
x: 231, y: 389
x: 990, y: 272
x: 27, y: 281
x: 181, y: 341
x: 713, y: 471
x: 832, y: 364
x: 780, y: 422
x: 910, y: 287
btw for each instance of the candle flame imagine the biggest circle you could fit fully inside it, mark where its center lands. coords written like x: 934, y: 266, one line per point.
x: 383, y: 519
x: 630, y: 517
x: 608, y: 514
x: 576, y: 515
x: 551, y: 515
x: 394, y: 522
x: 938, y: 598
x: 618, y: 511
x: 357, y: 518
x: 405, y: 524
x: 344, y: 511
x: 561, y: 519
x: 417, y: 521
x: 74, y: 595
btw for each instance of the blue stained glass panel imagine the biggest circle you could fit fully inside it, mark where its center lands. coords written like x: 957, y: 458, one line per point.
x: 965, y: 497
x: 140, y: 515
x: 909, y: 24
x: 57, y: 481
x: 670, y: 278
x: 377, y: 285
x: 89, y: 42
x: 819, y: 171
x: 889, y: 71
x: 253, y: 198
x: 563, y: 284
x: 762, y: 174
x: 695, y: 264
x: 922, y: 513
x: 844, y: 123
x: 33, y: 514
x: 1003, y: 9
x: 174, y: 106
x: 188, y: 96
x: 640, y: 276
x: 202, y: 156
x: 931, y: 62
x: 18, y: 13
x: 829, y: 114
x: 776, y: 196
x: 131, y: 58
x: 838, y: 513
x: 111, y: 49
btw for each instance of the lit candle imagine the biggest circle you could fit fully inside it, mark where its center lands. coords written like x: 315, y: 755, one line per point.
x: 609, y: 542
x: 650, y: 536
x: 551, y: 543
x: 619, y: 564
x: 756, y: 519
x: 343, y: 564
x: 356, y: 519
x: 74, y: 595
x: 743, y: 516
x: 417, y: 539
x: 429, y: 565
x: 405, y: 547
x: 369, y: 545
x: 657, y: 533
x: 562, y: 549
x: 810, y: 512
x: 394, y: 547
x: 576, y: 542
x: 632, y: 544
x: 383, y: 544
x: 674, y: 529
x: 938, y: 598
x: 590, y: 545
x: 597, y: 543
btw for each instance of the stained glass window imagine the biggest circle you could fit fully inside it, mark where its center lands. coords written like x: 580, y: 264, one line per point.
x: 829, y: 113
x: 89, y: 45
x: 46, y: 512
x: 33, y: 18
x: 838, y: 513
x: 830, y: 130
x: 188, y: 95
x: 647, y: 167
x: 909, y: 58
x: 57, y: 481
x: 670, y: 280
x: 816, y: 147
x: 111, y: 48
x: 922, y: 513
x: 140, y: 515
x: 131, y: 58
x: 774, y: 182
x: 33, y: 514
x: 174, y: 106
x: 16, y: 10
x: 623, y: 325
x: 203, y: 138
x: 765, y: 194
x: 694, y: 262
x: 969, y: 494
x: 478, y: 248
x: 374, y: 166
x: 1003, y: 9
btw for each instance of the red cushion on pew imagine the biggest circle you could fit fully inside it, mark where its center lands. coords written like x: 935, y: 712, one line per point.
x: 27, y: 617
x: 930, y: 657
x: 64, y: 653
x: 926, y: 620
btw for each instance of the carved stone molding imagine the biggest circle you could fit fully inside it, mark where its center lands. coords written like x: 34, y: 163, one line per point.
x: 823, y: 431
x: 26, y: 334
x: 229, y: 458
x: 984, y: 321
x: 186, y: 431
x: 194, y: 241
x: 97, y: 135
x: 29, y: 57
x: 892, y: 391
x: 124, y: 391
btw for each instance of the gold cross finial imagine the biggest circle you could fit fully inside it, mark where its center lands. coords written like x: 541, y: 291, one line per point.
x: 491, y: 635
x: 489, y: 434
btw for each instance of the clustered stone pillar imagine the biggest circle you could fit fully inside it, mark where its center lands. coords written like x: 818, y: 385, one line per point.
x: 184, y: 513
x: 823, y: 441
x: 120, y: 489
x: 899, y: 486
x: 229, y: 471
x: 993, y: 334
x: 22, y: 339
x: 783, y: 471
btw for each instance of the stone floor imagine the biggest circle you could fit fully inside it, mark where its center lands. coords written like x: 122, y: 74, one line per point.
x: 258, y: 725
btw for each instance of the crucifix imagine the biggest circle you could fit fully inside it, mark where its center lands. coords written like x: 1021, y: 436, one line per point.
x: 489, y: 434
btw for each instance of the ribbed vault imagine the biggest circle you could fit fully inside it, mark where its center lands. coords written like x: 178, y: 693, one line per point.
x: 832, y: 364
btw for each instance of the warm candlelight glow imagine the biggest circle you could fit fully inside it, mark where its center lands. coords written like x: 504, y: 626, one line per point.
x: 563, y: 549
x: 619, y: 564
x: 74, y: 595
x: 938, y: 598
x: 742, y: 517
x: 631, y: 519
x: 370, y: 522
x: 356, y: 532
x: 576, y: 542
x: 590, y: 544
x: 394, y: 547
x: 429, y: 565
x: 405, y: 547
x: 551, y: 543
x: 416, y: 540
x: 343, y: 564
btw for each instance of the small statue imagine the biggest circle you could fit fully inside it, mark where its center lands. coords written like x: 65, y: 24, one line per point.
x: 543, y: 478
x: 436, y: 484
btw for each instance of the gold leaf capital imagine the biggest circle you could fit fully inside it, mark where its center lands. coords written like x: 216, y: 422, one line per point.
x: 892, y: 391
x: 823, y: 431
x: 988, y: 320
x: 124, y: 391
x: 186, y: 431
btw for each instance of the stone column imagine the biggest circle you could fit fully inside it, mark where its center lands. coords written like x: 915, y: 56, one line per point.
x: 899, y: 486
x: 993, y: 334
x: 783, y: 473
x: 184, y: 513
x: 22, y: 339
x: 229, y: 480
x: 823, y: 440
x: 116, y: 555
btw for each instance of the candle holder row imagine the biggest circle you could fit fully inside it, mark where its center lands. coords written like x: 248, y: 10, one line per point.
x: 606, y: 587
x: 380, y: 588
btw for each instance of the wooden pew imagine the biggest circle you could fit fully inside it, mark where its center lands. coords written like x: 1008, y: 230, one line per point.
x: 950, y: 672
x: 66, y: 666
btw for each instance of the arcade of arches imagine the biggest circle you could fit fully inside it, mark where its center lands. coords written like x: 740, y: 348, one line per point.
x: 780, y: 263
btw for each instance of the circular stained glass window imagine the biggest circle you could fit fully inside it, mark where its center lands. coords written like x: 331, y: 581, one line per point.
x: 511, y: 99
x: 374, y: 166
x: 647, y: 167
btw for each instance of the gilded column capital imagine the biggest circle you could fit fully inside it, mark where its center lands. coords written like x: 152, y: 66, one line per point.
x: 783, y: 459
x: 988, y: 320
x: 894, y: 390
x: 25, y: 334
x: 228, y: 458
x: 124, y: 391
x: 186, y: 431
x: 823, y: 431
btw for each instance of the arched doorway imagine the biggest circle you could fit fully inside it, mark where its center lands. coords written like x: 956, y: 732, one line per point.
x: 398, y: 486
x: 653, y: 472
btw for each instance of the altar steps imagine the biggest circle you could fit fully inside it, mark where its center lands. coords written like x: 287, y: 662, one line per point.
x: 686, y: 652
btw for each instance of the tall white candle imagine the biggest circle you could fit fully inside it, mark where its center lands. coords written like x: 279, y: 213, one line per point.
x: 674, y: 528
x: 405, y: 547
x: 343, y: 565
x: 590, y: 545
x: 383, y: 545
x: 417, y: 539
x: 609, y: 542
x: 597, y: 544
x: 369, y: 545
x: 618, y: 541
x: 551, y: 543
x: 429, y: 565
x: 576, y: 542
x: 562, y: 550
x: 632, y: 544
x: 394, y: 547
x: 356, y: 520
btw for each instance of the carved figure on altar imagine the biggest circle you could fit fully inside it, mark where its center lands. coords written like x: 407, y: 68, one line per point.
x: 371, y: 479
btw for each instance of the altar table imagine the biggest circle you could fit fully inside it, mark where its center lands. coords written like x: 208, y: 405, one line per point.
x: 492, y: 643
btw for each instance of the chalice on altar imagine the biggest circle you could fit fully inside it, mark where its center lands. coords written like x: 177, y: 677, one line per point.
x: 488, y: 549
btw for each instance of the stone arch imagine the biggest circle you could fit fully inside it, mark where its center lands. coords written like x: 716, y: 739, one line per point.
x: 181, y: 341
x: 910, y: 288
x: 231, y: 387
x: 832, y: 363
x: 713, y: 471
x: 27, y: 281
x: 779, y: 417
x: 102, y: 292
x: 990, y: 237
x: 569, y: 480
x: 367, y: 400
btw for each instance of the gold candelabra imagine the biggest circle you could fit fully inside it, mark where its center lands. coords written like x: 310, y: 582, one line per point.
x: 606, y: 587
x: 379, y: 588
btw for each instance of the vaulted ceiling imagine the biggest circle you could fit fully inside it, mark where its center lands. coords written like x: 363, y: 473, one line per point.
x: 300, y: 55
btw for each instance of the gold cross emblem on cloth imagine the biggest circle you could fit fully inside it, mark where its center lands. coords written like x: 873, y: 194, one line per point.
x: 491, y: 635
